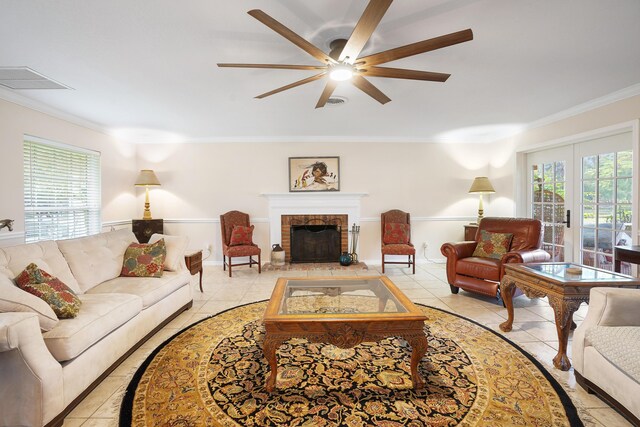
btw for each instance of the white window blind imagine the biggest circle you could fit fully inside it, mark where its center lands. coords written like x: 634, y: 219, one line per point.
x: 61, y: 191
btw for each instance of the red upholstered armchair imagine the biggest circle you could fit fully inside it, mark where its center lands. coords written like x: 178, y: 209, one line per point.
x: 237, y: 243
x: 483, y: 274
x: 396, y: 238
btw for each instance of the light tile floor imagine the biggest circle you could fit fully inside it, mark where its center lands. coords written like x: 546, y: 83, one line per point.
x: 533, y: 330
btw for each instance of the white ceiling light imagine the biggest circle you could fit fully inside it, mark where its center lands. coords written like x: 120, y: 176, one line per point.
x: 341, y: 72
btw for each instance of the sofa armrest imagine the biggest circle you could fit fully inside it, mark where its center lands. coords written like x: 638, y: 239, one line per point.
x: 453, y: 252
x: 530, y: 255
x: 31, y: 390
x: 607, y: 307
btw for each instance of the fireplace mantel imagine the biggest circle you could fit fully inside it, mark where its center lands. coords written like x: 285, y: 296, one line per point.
x: 312, y: 203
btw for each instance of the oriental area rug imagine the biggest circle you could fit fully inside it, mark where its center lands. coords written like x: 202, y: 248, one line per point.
x: 213, y: 373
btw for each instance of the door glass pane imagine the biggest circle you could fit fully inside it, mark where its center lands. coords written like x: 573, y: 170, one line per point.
x: 548, y: 204
x: 605, y: 191
x: 625, y: 164
x: 589, y: 165
x: 606, y: 165
x: 606, y: 206
x: 623, y: 194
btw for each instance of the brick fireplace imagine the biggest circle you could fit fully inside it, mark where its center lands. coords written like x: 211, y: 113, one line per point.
x: 315, y: 207
x: 286, y: 221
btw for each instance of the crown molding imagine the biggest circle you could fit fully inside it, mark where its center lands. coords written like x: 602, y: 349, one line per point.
x: 616, y: 96
x: 16, y: 98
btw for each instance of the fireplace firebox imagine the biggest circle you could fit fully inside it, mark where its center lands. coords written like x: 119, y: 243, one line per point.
x: 315, y: 243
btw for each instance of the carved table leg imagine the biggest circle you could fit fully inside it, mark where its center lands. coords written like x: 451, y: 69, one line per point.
x: 563, y: 312
x: 506, y: 290
x: 419, y: 346
x: 269, y: 348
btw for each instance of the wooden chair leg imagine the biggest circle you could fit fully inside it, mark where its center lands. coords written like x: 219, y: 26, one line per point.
x: 250, y: 261
x: 414, y: 263
x: 382, y: 263
x: 259, y: 264
x: 224, y: 263
x: 230, y: 264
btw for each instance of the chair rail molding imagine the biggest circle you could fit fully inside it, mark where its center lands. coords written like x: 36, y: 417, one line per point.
x: 311, y: 203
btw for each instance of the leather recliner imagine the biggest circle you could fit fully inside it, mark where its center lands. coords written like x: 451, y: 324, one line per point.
x: 483, y: 275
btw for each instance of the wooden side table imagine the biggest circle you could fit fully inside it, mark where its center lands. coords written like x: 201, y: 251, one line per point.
x: 627, y: 254
x: 144, y: 228
x: 194, y: 264
x: 470, y: 231
x: 564, y: 289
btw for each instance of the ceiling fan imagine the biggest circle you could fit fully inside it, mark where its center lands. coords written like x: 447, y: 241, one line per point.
x: 343, y: 62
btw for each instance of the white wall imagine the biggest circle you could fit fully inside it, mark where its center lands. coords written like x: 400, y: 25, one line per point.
x: 201, y: 181
x: 118, y: 164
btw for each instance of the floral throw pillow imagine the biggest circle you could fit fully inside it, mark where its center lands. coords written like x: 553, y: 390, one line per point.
x: 241, y: 235
x: 144, y: 260
x: 396, y: 233
x: 64, y: 302
x: 493, y: 245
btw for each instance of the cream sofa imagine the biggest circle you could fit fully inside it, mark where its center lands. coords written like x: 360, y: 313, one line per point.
x: 606, y: 349
x: 47, y: 366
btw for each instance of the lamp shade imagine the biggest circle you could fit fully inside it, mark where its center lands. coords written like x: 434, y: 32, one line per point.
x: 481, y: 184
x: 147, y: 177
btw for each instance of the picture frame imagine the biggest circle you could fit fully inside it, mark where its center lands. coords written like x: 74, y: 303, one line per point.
x: 309, y: 174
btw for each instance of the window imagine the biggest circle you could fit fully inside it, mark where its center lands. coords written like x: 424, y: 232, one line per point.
x: 61, y: 191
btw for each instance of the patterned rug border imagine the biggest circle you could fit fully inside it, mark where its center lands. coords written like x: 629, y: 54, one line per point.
x: 127, y: 401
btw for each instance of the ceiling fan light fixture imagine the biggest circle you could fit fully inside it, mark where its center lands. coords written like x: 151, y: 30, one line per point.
x: 341, y: 72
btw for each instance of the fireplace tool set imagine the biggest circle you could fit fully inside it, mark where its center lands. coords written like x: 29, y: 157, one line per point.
x: 355, y: 232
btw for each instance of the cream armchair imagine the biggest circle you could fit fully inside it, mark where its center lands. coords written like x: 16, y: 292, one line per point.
x: 606, y: 349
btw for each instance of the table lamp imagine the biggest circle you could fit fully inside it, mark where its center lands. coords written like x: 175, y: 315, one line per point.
x: 481, y: 185
x: 145, y: 179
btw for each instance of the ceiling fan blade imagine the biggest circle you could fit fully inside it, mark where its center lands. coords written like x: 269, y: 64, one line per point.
x: 366, y: 86
x: 416, y: 48
x: 400, y: 73
x: 276, y: 66
x: 292, y: 85
x: 291, y: 36
x: 368, y: 22
x: 326, y: 93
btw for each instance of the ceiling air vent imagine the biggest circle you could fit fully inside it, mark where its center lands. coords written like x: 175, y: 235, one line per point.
x: 19, y: 78
x: 336, y: 101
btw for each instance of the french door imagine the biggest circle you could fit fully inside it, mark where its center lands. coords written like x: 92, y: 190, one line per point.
x: 583, y: 194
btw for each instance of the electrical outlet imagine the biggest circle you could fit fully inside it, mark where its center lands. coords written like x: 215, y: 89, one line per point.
x: 425, y: 245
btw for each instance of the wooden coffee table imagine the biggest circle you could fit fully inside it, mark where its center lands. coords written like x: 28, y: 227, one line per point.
x: 564, y: 290
x: 344, y: 312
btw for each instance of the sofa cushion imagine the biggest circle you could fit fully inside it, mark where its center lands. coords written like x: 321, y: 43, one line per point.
x: 150, y: 289
x: 144, y: 259
x: 14, y: 299
x: 45, y: 254
x: 486, y: 268
x: 176, y: 248
x: 100, y: 315
x: 96, y: 258
x: 493, y: 245
x: 60, y: 297
x: 620, y: 345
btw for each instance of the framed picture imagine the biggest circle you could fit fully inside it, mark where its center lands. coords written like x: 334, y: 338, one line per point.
x: 314, y: 174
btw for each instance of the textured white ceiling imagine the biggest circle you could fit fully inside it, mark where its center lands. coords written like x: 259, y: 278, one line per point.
x: 151, y: 64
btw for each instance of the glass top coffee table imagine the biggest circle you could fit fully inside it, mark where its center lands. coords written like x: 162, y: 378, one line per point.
x: 566, y: 286
x: 344, y: 312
